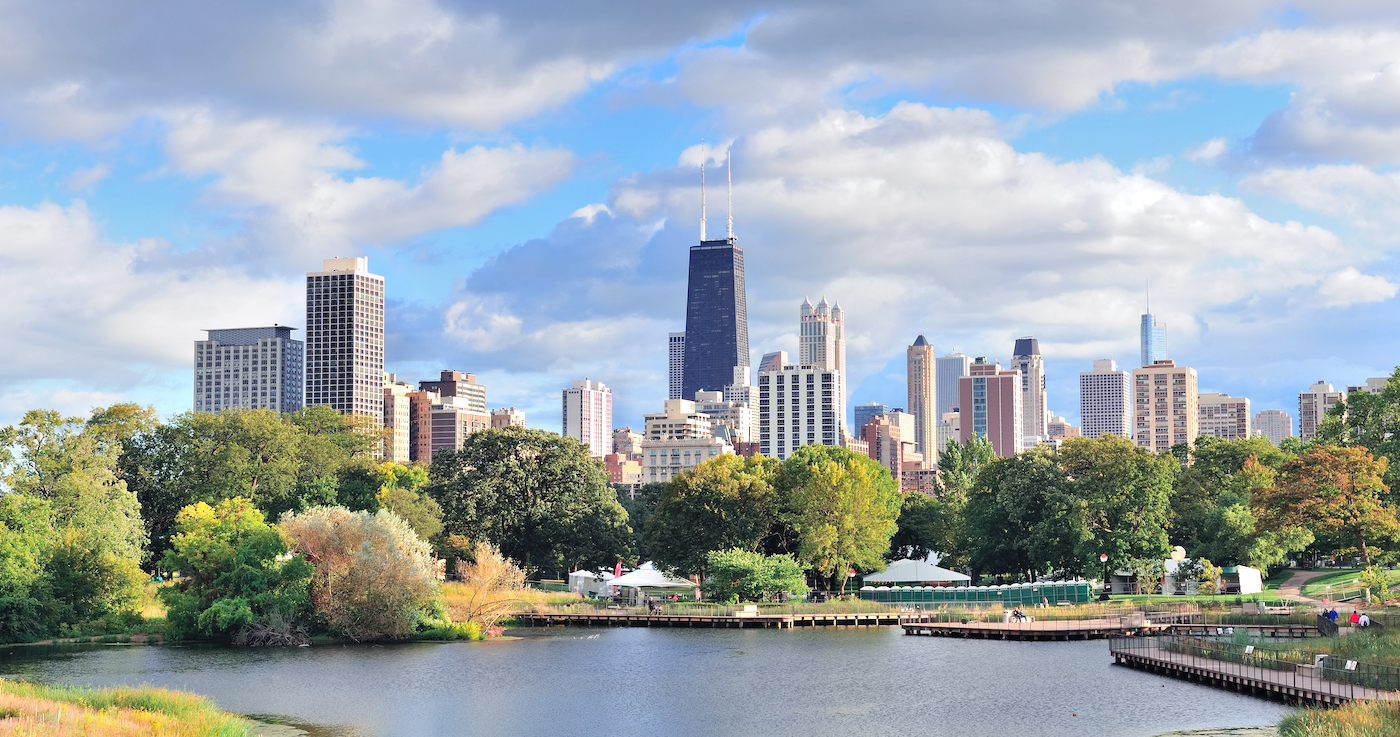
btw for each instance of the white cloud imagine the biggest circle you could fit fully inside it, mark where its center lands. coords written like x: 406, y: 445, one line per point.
x: 1348, y: 287
x: 1207, y: 151
x: 588, y: 212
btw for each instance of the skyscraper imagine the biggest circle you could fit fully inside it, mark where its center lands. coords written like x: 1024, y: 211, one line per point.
x: 1223, y: 416
x: 822, y: 340
x: 248, y: 368
x: 1274, y: 424
x: 1313, y: 405
x: 1106, y: 400
x: 1154, y: 340
x: 921, y: 377
x: 1035, y: 414
x: 1165, y: 409
x: 345, y: 338
x: 716, y: 313
x: 587, y: 416
x: 949, y: 368
x: 675, y: 354
x: 990, y: 402
x: 863, y: 413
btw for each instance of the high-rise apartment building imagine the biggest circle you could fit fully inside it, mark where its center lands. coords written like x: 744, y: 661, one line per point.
x: 1153, y: 340
x: 420, y: 425
x: 1223, y: 416
x: 678, y: 419
x: 398, y: 417
x: 1035, y: 412
x: 1106, y: 400
x: 507, y: 417
x: 1274, y: 424
x: 1059, y: 429
x: 451, y: 420
x: 990, y: 401
x: 662, y: 460
x: 735, y: 416
x: 459, y: 385
x: 921, y: 385
x: 950, y: 367
x: 587, y: 416
x: 799, y: 405
x: 743, y: 390
x: 248, y: 368
x: 345, y: 338
x: 949, y: 428
x: 1313, y: 405
x: 675, y: 354
x: 1165, y: 410
x: 887, y: 445
x: 822, y: 337
x: 863, y: 412
x: 1374, y: 385
x: 626, y: 443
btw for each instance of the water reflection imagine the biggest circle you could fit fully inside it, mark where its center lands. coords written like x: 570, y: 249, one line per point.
x: 648, y: 682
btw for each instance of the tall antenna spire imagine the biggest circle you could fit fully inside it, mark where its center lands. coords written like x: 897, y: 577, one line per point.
x: 729, y: 174
x: 702, y: 193
x: 1148, y: 281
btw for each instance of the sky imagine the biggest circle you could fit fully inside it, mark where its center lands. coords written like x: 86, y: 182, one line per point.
x: 526, y: 178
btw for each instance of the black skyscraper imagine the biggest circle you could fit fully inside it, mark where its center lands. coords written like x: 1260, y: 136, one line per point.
x: 716, y: 317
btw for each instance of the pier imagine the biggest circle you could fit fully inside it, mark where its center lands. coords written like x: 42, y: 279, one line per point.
x: 1064, y: 629
x: 760, y: 621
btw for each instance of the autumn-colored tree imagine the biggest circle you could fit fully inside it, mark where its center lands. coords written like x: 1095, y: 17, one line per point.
x: 1331, y: 491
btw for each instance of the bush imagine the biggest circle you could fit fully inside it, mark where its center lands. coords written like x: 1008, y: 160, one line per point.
x: 742, y: 575
x: 236, y: 572
x: 492, y: 586
x: 374, y: 577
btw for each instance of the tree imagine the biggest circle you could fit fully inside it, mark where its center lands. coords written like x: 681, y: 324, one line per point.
x: 374, y: 578
x: 744, y: 575
x: 1021, y: 517
x: 842, y: 508
x: 491, y: 587
x: 639, y: 506
x: 537, y: 496
x: 1127, y: 494
x: 235, y: 572
x: 926, y: 525
x: 25, y: 542
x: 725, y: 502
x: 959, y: 464
x: 1370, y: 420
x: 1331, y: 490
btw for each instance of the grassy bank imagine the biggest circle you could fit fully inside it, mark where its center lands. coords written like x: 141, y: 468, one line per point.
x: 61, y: 711
x: 1357, y: 719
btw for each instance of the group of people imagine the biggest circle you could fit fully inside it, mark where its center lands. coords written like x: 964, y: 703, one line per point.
x: 1357, y: 619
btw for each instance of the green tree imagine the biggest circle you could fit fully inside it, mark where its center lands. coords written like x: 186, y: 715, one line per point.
x: 401, y: 492
x: 744, y: 575
x: 841, y: 506
x: 725, y: 502
x: 959, y: 464
x: 1022, y: 518
x: 926, y: 525
x: 1127, y: 493
x: 235, y: 572
x: 536, y: 495
x: 1370, y: 420
x: 639, y: 506
x: 25, y: 544
x: 1330, y: 490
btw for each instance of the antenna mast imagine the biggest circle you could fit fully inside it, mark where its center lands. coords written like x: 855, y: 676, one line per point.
x: 729, y: 174
x: 702, y: 194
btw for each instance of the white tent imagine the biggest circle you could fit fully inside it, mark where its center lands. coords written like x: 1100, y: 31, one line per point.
x: 915, y: 571
x: 647, y: 577
x: 588, y: 582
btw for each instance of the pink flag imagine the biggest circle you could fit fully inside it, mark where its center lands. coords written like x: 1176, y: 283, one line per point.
x: 617, y: 569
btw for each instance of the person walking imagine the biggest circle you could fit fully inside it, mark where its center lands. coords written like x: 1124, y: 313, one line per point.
x: 1332, y: 615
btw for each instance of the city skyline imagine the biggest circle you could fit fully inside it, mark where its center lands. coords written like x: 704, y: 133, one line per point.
x: 534, y: 232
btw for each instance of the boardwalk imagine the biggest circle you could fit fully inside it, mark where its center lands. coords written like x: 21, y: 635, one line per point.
x: 1294, y: 686
x: 762, y: 621
x: 1070, y: 629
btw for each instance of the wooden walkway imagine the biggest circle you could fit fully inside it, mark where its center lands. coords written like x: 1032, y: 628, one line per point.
x: 1070, y: 629
x: 1264, y: 630
x: 1292, y: 686
x: 762, y: 621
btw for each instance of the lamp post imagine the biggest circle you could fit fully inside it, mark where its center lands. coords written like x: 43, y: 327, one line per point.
x: 1103, y: 558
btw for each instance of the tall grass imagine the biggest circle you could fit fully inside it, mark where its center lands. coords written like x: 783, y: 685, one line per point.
x: 70, y: 711
x: 1357, y: 719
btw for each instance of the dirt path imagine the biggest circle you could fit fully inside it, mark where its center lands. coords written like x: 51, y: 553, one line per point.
x: 1292, y: 589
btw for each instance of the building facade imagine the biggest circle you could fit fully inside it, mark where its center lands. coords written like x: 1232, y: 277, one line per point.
x: 1035, y: 413
x: 799, y: 405
x: 420, y: 425
x: 887, y: 445
x: 662, y: 460
x: 587, y: 416
x: 1313, y: 405
x: 1225, y: 417
x: 921, y: 386
x: 991, y: 397
x: 1165, y: 410
x: 949, y: 428
x: 675, y: 357
x: 507, y: 417
x: 345, y: 338
x: 863, y: 412
x: 1060, y: 430
x: 679, y: 419
x: 822, y: 337
x: 949, y: 369
x: 716, y: 317
x: 1374, y: 385
x: 743, y: 390
x: 248, y: 368
x: 451, y: 420
x: 460, y: 385
x: 736, y: 416
x: 398, y: 417
x: 1106, y: 400
x: 1153, y: 340
x: 1274, y: 424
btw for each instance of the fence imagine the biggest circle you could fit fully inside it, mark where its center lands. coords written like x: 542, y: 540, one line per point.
x: 1007, y: 596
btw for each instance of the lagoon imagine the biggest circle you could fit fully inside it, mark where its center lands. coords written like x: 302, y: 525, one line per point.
x: 622, y: 682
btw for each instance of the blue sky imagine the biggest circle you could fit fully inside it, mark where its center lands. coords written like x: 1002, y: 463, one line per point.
x: 974, y: 174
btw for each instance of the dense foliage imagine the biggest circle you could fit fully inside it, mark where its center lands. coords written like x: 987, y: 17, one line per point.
x: 744, y: 575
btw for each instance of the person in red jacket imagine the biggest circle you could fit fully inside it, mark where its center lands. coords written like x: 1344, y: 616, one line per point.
x: 1355, y: 617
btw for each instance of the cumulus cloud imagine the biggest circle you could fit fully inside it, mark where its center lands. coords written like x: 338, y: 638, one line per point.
x: 1348, y: 287
x: 84, y: 179
x: 1207, y: 151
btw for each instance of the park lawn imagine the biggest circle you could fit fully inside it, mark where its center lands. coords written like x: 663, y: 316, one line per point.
x: 1344, y: 580
x: 64, y: 711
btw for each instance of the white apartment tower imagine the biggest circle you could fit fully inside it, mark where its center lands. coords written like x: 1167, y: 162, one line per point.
x: 675, y: 343
x: 922, y: 389
x: 822, y: 342
x: 1274, y: 424
x: 248, y: 368
x: 345, y: 338
x: 397, y: 418
x: 799, y: 405
x: 1035, y: 415
x: 588, y: 416
x: 950, y: 367
x: 1164, y: 406
x: 1225, y: 417
x: 1105, y: 400
x: 1313, y: 405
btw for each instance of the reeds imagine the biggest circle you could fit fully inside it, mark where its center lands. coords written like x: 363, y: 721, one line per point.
x: 38, y: 710
x: 1356, y: 719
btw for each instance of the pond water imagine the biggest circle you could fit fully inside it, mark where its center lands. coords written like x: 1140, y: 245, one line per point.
x: 621, y: 682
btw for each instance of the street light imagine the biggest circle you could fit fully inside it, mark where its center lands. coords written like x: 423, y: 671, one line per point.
x: 1103, y: 558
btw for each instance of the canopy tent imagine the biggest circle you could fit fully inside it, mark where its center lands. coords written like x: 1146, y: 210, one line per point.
x: 647, y: 577
x: 917, y: 571
x: 588, y: 582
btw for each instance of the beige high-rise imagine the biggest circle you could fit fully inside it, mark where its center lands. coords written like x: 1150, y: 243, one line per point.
x: 922, y: 379
x: 1165, y: 407
x: 822, y: 343
x: 397, y: 418
x: 1035, y: 414
x: 1313, y: 405
x: 1225, y: 417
